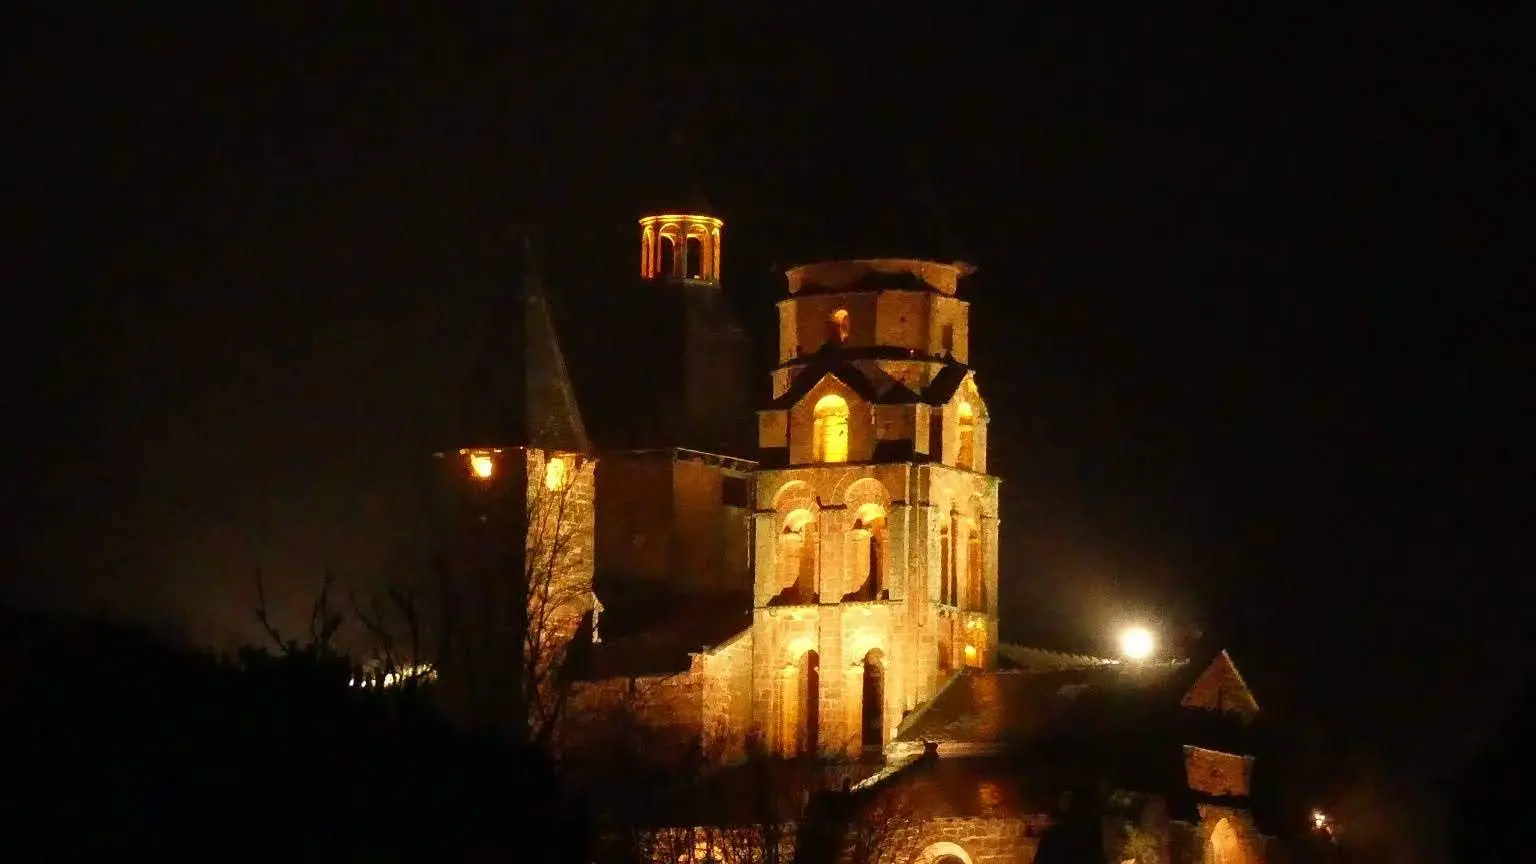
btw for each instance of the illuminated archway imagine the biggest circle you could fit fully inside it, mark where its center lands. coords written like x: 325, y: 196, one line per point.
x: 831, y: 429
x: 797, y: 556
x: 1225, y: 847
x: 867, y: 547
x: 943, y: 853
x: 975, y: 591
x: 839, y: 326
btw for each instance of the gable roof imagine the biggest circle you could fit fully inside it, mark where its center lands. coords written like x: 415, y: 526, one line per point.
x: 649, y: 631
x: 1220, y: 687
x: 872, y: 385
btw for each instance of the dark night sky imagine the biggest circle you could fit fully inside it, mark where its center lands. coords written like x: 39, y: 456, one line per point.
x: 1243, y: 315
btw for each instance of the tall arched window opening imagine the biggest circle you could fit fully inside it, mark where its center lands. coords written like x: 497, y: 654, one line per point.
x: 1225, y: 847
x: 965, y: 416
x: 695, y: 263
x: 946, y: 560
x: 867, y: 558
x: 831, y: 430
x: 797, y: 558
x: 666, y: 255
x: 975, y: 594
x: 872, y: 703
x: 810, y: 702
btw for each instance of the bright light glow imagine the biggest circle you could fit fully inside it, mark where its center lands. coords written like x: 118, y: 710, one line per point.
x: 831, y: 429
x: 414, y: 672
x: 482, y: 465
x: 556, y: 473
x: 1319, y: 820
x: 1137, y: 643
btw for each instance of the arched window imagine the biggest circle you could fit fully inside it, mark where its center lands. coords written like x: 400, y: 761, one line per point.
x: 797, y: 557
x: 666, y: 255
x: 975, y: 595
x: 810, y: 702
x: 838, y: 329
x: 867, y: 543
x: 872, y: 710
x: 831, y: 430
x: 947, y: 560
x: 799, y: 715
x: 695, y: 265
x: 966, y: 417
x: 1225, y: 847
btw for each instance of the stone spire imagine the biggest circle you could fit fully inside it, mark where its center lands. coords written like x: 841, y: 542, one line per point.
x: 551, y: 416
x: 520, y: 392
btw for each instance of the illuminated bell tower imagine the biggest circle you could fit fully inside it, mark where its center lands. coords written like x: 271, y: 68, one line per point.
x: 876, y: 521
x: 688, y: 390
x: 680, y: 247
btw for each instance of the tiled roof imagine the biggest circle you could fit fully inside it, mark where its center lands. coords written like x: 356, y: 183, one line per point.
x: 1007, y: 707
x: 649, y: 632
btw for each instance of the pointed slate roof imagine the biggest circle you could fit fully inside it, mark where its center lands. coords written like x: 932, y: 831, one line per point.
x: 552, y: 418
x: 521, y: 392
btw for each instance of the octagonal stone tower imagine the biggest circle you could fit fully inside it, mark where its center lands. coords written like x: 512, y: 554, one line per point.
x: 876, y: 529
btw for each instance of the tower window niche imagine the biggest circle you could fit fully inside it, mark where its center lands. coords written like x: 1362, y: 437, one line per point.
x: 838, y: 326
x: 966, y: 420
x: 695, y: 263
x: 557, y: 473
x: 666, y: 254
x: 831, y: 430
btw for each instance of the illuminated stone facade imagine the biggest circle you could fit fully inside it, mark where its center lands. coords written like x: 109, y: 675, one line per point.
x: 836, y: 596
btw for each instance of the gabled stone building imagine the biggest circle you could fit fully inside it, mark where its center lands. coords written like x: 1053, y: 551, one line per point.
x: 831, y: 597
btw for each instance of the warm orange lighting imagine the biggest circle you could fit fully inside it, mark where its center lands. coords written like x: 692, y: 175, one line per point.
x: 831, y: 432
x: 966, y: 417
x: 840, y: 321
x: 1137, y: 643
x: 970, y: 653
x: 680, y: 245
x: 557, y: 473
x: 481, y: 465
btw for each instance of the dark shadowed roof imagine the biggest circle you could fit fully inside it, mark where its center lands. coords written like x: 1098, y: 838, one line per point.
x: 648, y: 631
x: 1017, y: 705
x: 873, y: 386
x: 520, y: 391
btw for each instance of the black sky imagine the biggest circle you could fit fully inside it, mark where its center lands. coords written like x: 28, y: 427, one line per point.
x: 1245, y: 315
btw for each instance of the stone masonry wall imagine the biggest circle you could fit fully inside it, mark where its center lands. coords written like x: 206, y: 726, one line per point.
x: 985, y: 840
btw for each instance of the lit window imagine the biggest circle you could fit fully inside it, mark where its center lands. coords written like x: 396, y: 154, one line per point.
x: 840, y: 325
x: 966, y: 415
x: 556, y: 473
x: 481, y: 465
x: 831, y: 441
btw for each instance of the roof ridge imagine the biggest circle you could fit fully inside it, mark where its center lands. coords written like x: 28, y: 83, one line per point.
x: 911, y: 719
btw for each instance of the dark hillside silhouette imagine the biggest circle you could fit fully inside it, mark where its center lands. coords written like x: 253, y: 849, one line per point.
x: 126, y: 743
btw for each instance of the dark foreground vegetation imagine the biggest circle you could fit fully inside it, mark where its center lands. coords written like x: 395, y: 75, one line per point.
x: 120, y: 742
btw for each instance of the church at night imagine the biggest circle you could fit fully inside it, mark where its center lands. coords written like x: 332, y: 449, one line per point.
x: 814, y: 578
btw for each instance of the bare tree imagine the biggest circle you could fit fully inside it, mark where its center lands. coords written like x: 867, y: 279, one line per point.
x: 324, y: 620
x: 500, y: 618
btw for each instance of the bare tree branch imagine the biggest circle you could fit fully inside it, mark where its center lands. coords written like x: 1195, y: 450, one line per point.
x: 263, y: 616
